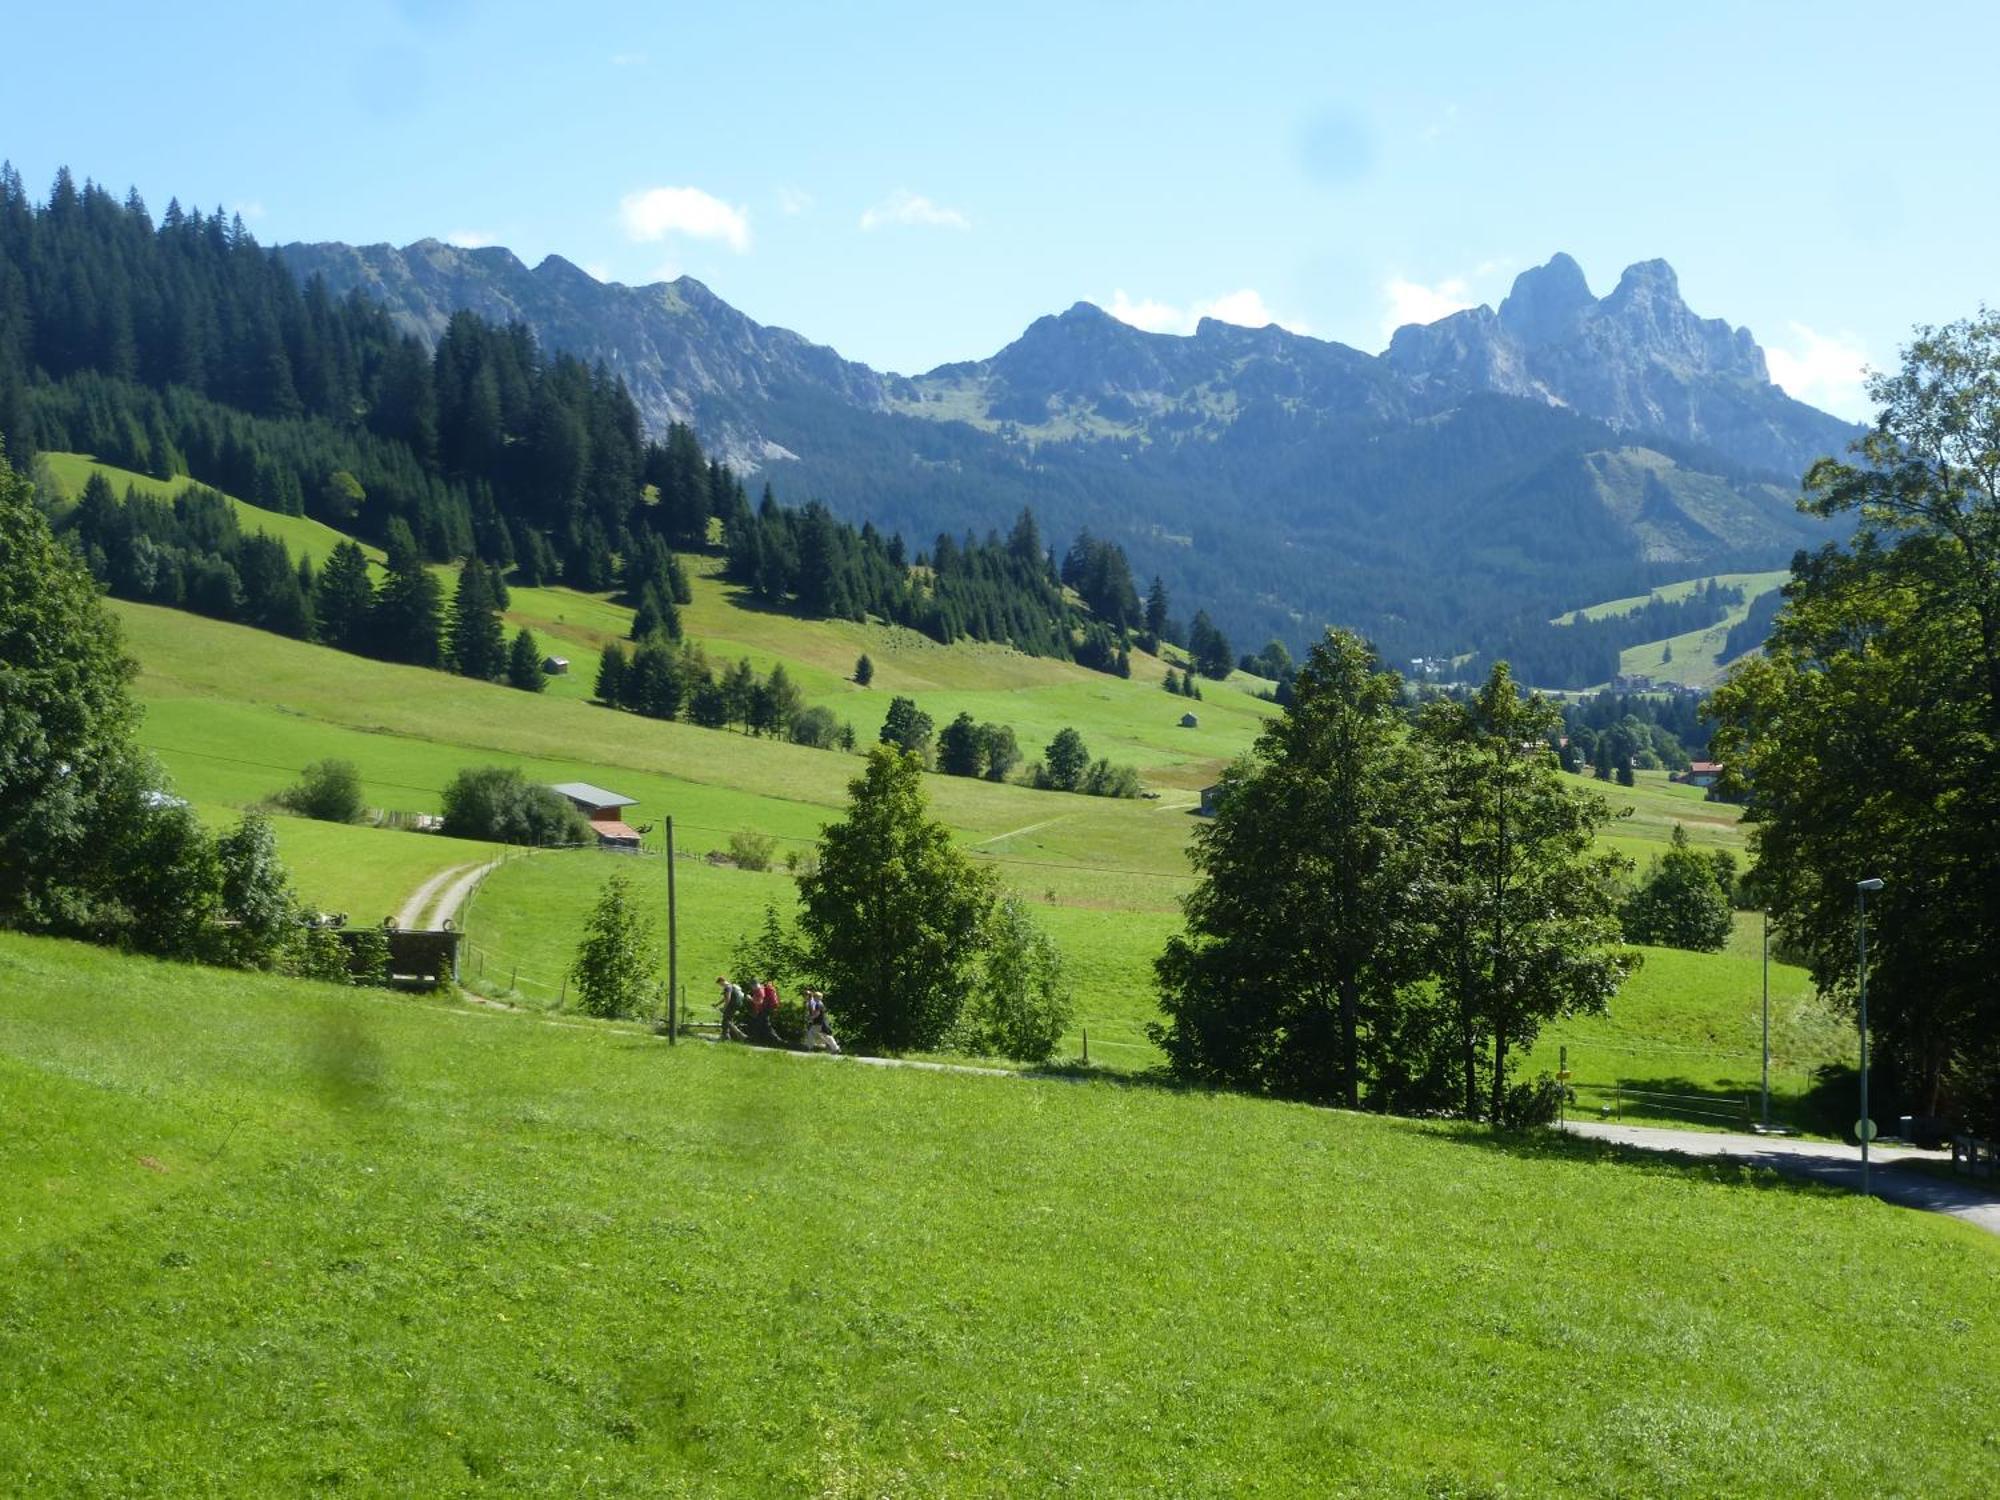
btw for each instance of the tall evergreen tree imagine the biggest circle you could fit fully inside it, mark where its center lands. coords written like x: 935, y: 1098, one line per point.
x: 524, y: 663
x: 408, y: 617
x: 344, y: 598
x: 478, y: 639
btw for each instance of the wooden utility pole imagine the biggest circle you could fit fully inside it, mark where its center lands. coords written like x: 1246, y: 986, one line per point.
x: 673, y: 940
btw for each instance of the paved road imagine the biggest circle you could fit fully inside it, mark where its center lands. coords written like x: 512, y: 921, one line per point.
x: 1976, y: 1202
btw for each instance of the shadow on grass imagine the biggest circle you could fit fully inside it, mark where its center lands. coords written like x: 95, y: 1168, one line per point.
x: 1719, y: 1106
x: 1761, y: 1171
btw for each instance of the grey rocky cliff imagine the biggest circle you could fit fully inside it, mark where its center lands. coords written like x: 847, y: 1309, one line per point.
x: 685, y: 354
x: 1639, y: 360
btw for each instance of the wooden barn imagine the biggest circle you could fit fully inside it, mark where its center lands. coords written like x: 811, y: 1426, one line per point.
x: 602, y: 808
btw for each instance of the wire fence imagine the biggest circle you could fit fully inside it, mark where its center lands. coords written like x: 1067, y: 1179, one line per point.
x: 1616, y: 1100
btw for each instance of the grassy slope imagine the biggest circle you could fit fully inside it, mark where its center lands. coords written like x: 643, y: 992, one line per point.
x: 262, y: 1237
x: 234, y: 713
x: 1697, y: 653
x: 312, y: 538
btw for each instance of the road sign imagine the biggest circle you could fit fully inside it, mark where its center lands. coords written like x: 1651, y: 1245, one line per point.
x: 1864, y: 1130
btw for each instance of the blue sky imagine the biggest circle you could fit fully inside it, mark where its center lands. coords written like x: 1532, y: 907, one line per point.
x: 916, y: 183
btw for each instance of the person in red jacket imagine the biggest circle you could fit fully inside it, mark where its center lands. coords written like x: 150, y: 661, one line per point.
x: 764, y: 1011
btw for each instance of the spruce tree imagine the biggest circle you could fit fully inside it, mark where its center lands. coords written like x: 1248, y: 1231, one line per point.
x: 610, y: 686
x: 478, y: 640
x: 409, y: 611
x: 343, y: 598
x: 524, y: 663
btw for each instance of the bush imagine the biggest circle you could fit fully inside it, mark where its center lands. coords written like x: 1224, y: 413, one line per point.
x: 1106, y: 780
x: 1021, y: 1004
x: 329, y: 790
x: 751, y: 850
x: 613, y: 969
x: 368, y: 957
x: 816, y: 728
x: 1536, y: 1101
x: 500, y: 805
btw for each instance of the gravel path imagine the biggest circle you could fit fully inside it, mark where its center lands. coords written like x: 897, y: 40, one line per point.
x: 457, y: 892
x: 1973, y: 1200
x: 427, y: 909
x: 410, y: 915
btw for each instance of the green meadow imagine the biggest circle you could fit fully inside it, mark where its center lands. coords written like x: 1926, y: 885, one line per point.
x: 267, y: 1237
x: 235, y: 713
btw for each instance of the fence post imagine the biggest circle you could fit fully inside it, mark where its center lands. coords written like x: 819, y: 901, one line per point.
x: 1086, y: 1046
x: 673, y: 1020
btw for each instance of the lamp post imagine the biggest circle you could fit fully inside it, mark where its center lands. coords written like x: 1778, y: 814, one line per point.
x: 1864, y: 1127
x: 1767, y: 1023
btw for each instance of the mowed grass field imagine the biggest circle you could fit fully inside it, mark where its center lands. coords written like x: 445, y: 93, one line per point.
x: 266, y: 1237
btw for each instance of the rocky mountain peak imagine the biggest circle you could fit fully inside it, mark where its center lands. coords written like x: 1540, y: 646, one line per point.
x: 1547, y: 301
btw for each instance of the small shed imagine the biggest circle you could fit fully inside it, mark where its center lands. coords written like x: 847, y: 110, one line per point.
x: 602, y: 808
x: 1189, y: 721
x: 1211, y: 796
x: 555, y: 666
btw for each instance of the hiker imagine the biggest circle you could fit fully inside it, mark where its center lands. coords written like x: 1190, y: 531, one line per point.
x: 763, y: 1011
x: 817, y: 1034
x: 731, y: 1006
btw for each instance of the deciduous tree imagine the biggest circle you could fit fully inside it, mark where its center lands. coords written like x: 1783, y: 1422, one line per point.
x: 1867, y: 736
x: 892, y: 918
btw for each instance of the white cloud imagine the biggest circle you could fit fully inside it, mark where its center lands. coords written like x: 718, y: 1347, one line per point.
x: 629, y: 59
x: 1245, y: 307
x: 905, y: 207
x: 793, y: 201
x: 251, y: 210
x: 1827, y: 370
x: 471, y: 239
x: 1413, y: 302
x: 655, y: 213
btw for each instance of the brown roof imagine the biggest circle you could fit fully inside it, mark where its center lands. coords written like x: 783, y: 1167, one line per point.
x: 612, y: 829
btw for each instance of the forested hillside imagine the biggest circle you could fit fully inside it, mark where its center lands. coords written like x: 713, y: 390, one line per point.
x: 185, y: 349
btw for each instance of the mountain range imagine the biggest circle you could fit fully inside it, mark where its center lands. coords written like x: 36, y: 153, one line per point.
x: 1485, y: 470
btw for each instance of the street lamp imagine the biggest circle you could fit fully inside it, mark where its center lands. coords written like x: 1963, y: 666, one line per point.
x: 1864, y: 1127
x: 1767, y: 1021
